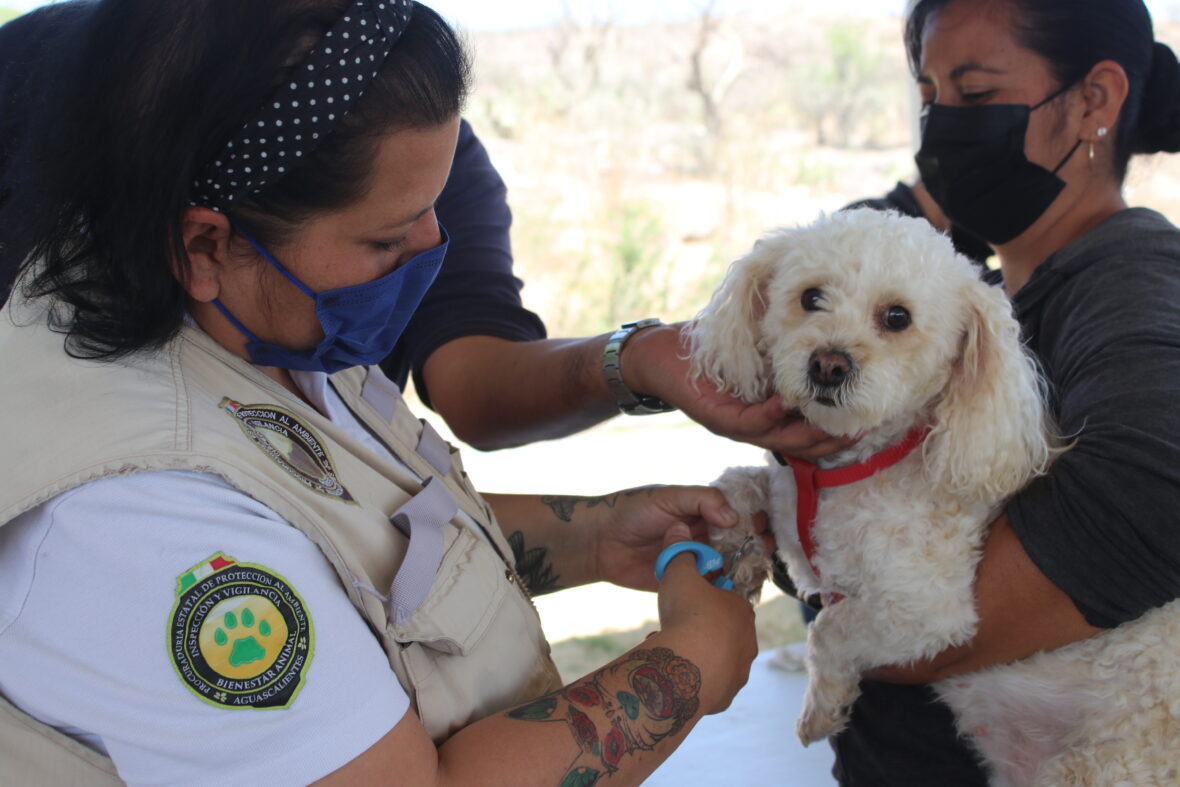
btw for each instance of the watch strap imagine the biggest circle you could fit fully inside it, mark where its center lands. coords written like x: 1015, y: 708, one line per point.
x: 629, y: 402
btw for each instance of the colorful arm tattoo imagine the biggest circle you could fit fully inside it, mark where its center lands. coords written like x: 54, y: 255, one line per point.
x: 629, y: 705
x: 533, y: 567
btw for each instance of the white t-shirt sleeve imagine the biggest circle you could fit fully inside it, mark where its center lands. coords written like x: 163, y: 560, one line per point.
x: 88, y: 583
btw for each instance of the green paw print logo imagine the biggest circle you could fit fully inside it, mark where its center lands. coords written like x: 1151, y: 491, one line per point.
x: 247, y: 649
x: 241, y: 639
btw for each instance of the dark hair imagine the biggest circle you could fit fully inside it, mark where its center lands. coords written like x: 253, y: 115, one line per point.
x: 155, y: 91
x: 1073, y: 36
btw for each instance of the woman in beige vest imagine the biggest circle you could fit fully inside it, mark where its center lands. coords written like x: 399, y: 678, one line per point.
x: 227, y: 550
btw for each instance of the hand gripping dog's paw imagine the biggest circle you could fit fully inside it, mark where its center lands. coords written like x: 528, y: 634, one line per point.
x: 744, y: 489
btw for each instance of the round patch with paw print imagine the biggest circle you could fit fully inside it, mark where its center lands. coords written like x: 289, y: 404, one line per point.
x: 239, y: 635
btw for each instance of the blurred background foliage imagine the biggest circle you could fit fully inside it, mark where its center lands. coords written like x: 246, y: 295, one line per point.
x: 641, y: 160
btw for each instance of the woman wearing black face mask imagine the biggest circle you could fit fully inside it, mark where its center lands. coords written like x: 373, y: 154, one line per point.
x: 1033, y: 110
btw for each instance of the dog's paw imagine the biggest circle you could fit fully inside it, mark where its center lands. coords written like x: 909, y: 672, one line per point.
x: 751, y: 571
x: 811, y: 727
x: 826, y: 708
x: 728, y: 539
x: 744, y: 489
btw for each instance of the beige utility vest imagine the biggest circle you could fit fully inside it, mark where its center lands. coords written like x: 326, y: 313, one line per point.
x: 472, y: 647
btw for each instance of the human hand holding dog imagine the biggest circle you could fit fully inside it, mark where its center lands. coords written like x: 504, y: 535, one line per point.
x: 655, y: 362
x: 631, y: 533
x: 563, y: 541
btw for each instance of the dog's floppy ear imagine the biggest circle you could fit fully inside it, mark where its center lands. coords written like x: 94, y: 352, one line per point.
x: 724, y: 338
x: 991, y: 432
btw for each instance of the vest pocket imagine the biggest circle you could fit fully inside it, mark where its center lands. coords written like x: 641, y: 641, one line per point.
x: 475, y: 646
x: 469, y: 587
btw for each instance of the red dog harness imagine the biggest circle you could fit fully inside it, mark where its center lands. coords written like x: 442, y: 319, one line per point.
x: 809, y: 479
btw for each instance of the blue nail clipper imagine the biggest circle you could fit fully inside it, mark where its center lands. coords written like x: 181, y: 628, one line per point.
x: 708, y: 560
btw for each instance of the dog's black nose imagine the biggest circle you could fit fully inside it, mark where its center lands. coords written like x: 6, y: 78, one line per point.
x: 829, y: 368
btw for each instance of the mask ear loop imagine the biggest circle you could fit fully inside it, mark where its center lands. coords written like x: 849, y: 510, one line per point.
x: 266, y: 255
x: 1060, y: 91
x: 277, y: 265
x: 237, y: 324
x: 1057, y: 92
x: 1072, y: 150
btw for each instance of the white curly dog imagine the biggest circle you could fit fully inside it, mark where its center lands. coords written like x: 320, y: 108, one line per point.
x: 871, y: 326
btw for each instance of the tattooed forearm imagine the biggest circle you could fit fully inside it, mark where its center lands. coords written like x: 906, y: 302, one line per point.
x: 563, y: 505
x: 533, y: 566
x: 630, y: 705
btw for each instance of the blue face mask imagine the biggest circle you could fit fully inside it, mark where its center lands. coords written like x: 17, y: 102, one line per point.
x: 361, y: 323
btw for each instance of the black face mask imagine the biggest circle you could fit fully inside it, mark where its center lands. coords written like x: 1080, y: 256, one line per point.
x: 973, y: 164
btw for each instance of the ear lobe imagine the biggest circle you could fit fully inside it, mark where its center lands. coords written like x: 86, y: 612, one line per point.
x: 1105, y: 91
x: 205, y: 235
x: 991, y: 431
x: 724, y: 338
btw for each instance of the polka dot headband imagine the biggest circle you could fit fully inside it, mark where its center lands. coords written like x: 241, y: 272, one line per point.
x: 303, y: 111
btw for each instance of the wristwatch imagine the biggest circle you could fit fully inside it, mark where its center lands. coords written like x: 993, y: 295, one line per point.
x: 630, y: 403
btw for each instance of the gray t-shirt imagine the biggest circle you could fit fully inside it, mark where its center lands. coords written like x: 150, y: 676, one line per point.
x: 1103, y: 317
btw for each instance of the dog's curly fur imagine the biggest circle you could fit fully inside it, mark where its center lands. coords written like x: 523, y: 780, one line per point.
x: 902, y: 546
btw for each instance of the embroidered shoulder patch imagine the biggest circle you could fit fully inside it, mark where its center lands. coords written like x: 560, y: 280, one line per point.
x: 239, y: 635
x: 290, y: 444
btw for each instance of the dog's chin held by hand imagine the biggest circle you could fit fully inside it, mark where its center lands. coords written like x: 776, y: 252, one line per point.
x: 835, y: 420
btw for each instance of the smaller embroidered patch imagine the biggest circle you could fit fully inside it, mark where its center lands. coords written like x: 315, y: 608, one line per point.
x: 290, y: 444
x: 239, y: 635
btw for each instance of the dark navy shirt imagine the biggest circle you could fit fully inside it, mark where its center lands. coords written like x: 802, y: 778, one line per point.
x: 475, y: 293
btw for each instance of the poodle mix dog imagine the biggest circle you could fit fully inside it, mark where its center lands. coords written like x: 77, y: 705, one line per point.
x: 871, y: 326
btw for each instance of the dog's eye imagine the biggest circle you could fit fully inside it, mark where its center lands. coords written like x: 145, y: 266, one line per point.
x: 812, y: 300
x: 896, y: 318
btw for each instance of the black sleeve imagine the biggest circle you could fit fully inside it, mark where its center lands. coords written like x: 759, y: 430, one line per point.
x: 1104, y: 524
x: 476, y: 293
x: 902, y: 200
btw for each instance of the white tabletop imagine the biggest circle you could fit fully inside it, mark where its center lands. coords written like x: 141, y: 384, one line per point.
x: 753, y: 742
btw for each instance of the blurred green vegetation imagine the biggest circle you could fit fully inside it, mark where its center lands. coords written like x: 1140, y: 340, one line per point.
x: 642, y: 161
x: 845, y: 89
